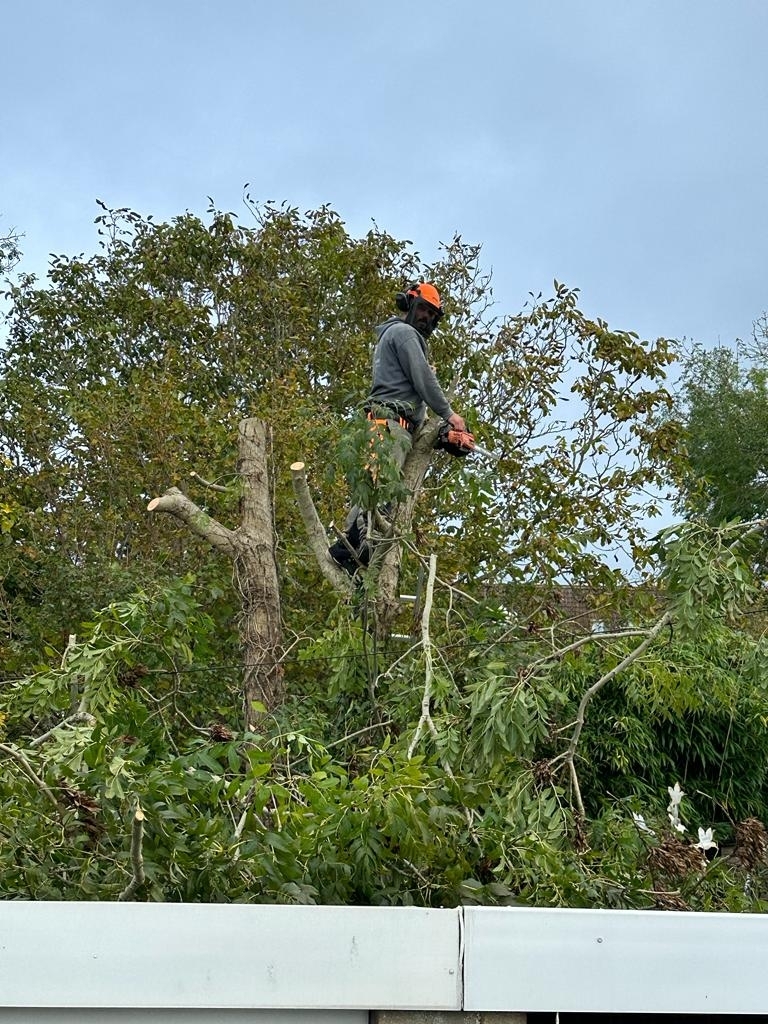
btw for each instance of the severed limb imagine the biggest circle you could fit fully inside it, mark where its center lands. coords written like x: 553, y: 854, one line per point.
x: 318, y: 540
x: 137, y: 857
x: 176, y: 503
x: 208, y: 483
x: 569, y: 755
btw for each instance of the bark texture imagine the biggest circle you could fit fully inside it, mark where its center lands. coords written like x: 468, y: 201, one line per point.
x: 256, y: 574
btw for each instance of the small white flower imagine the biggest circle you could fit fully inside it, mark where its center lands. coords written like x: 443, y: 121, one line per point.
x: 675, y: 795
x: 676, y: 823
x: 706, y: 839
x: 639, y: 820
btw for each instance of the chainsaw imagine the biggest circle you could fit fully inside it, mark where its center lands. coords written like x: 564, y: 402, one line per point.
x: 461, y: 443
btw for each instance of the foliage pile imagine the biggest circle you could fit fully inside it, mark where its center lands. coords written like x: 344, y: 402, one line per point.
x: 490, y: 750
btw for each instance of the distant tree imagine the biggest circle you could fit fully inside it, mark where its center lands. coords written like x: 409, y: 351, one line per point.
x: 723, y: 404
x: 129, y: 372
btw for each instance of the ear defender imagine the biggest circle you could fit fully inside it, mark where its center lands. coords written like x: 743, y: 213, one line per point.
x: 402, y: 302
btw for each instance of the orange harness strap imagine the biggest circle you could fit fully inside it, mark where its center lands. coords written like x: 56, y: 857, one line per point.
x: 397, y: 419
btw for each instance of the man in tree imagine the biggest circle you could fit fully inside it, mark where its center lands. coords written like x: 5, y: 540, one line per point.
x: 404, y: 385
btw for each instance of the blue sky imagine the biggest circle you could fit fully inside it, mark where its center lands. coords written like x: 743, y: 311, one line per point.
x: 618, y: 146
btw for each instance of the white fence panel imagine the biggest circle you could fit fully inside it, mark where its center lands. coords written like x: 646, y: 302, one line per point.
x: 228, y: 956
x: 50, y: 1015
x: 615, y: 961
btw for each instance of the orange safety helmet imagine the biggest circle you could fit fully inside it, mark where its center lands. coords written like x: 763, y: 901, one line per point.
x: 426, y: 292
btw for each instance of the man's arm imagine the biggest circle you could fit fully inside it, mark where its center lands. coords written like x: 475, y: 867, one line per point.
x: 425, y: 383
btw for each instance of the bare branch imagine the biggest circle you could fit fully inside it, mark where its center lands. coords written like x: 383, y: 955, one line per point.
x: 560, y: 652
x: 318, y: 540
x: 438, y: 579
x: 176, y: 503
x: 30, y: 772
x: 137, y: 857
x: 71, y: 644
x: 569, y: 757
x: 426, y: 642
x: 207, y: 483
x: 745, y: 530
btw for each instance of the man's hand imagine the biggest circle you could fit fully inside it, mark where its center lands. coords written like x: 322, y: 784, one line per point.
x: 457, y: 422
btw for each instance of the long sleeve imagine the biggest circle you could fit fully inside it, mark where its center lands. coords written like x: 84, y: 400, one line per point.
x: 402, y: 376
x: 414, y: 362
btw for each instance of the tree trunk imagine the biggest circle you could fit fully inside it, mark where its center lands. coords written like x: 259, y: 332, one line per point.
x: 387, y: 592
x: 252, y: 549
x: 256, y: 576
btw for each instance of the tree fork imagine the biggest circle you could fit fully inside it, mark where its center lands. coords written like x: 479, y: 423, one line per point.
x: 385, y: 566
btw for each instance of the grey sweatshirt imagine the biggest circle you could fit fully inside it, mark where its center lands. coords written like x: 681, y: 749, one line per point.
x: 403, y: 380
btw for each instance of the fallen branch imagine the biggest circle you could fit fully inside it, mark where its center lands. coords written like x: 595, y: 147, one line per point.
x: 76, y: 719
x: 569, y: 756
x: 30, y: 772
x: 137, y: 857
x: 451, y: 587
x: 560, y: 652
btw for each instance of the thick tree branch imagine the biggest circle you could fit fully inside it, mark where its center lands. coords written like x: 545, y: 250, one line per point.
x: 385, y: 563
x: 318, y: 540
x: 176, y: 503
x: 416, y: 466
x: 251, y: 547
x: 387, y: 568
